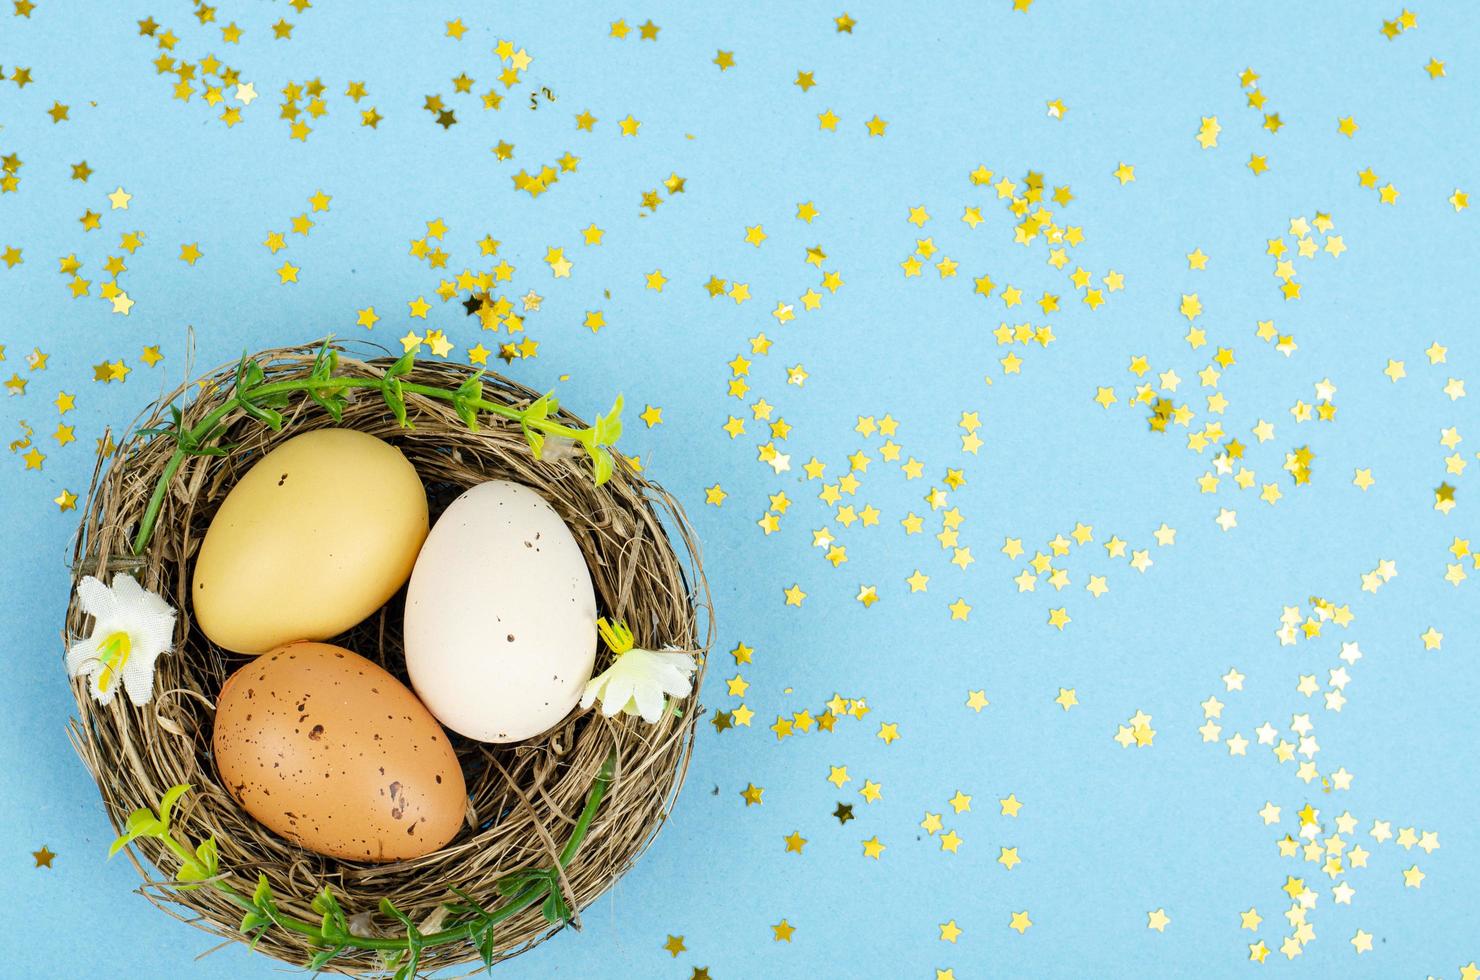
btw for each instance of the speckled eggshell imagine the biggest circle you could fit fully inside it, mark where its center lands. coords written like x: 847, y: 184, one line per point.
x: 315, y: 537
x: 500, y: 630
x: 325, y: 748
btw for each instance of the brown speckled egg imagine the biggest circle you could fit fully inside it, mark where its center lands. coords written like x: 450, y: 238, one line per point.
x: 328, y: 750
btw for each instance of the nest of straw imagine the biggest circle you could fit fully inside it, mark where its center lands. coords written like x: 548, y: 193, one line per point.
x: 523, y: 798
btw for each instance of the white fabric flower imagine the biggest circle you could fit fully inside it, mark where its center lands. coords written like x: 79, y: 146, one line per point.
x: 131, y: 628
x: 637, y: 680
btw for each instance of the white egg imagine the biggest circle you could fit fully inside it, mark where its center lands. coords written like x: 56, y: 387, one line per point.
x: 500, y: 628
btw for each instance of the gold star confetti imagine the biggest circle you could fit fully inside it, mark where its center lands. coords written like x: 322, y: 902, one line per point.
x: 886, y: 501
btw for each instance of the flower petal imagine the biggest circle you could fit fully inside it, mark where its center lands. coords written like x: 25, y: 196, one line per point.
x: 151, y: 631
x: 99, y: 695
x: 676, y: 658
x: 138, y: 675
x: 592, y: 689
x: 79, y: 655
x: 618, y: 692
x: 127, y: 588
x: 649, y: 700
x: 675, y: 683
x: 95, y: 598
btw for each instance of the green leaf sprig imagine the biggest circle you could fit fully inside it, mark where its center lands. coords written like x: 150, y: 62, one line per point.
x: 466, y: 920
x: 253, y: 395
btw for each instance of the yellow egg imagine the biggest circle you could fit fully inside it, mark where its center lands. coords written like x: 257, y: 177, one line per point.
x: 328, y: 750
x: 315, y: 537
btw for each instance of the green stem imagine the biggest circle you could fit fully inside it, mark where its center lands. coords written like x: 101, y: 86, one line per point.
x: 511, y: 907
x: 593, y: 800
x: 188, y: 859
x: 207, y: 424
x: 156, y: 500
x: 546, y: 425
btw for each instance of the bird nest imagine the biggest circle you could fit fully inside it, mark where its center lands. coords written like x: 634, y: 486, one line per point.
x: 526, y: 802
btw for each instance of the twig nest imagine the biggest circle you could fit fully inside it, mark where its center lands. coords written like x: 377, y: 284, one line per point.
x: 522, y: 797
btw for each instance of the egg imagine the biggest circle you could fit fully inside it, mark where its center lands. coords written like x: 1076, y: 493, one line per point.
x: 500, y: 628
x: 325, y: 748
x: 315, y: 537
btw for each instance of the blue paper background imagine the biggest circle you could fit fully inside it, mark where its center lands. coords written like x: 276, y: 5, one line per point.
x: 1106, y: 834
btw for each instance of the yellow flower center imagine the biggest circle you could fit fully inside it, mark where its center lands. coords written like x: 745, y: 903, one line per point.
x: 113, y: 651
x: 616, y: 634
